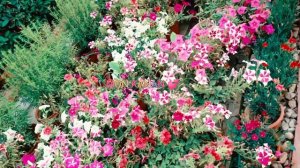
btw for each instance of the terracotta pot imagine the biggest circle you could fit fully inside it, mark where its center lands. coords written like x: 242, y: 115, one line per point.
x: 39, y: 119
x: 277, y: 123
x: 174, y: 28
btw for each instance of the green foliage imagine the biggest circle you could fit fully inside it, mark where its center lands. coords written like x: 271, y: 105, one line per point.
x: 221, y: 88
x: 38, y: 71
x: 266, y: 98
x: 15, y: 13
x: 75, y: 15
x: 261, y: 98
x: 12, y: 116
x: 168, y: 156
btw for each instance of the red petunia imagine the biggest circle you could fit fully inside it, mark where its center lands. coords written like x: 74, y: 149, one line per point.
x: 141, y: 143
x: 264, y: 64
x: 115, y: 124
x: 157, y: 9
x: 146, y: 120
x: 295, y: 64
x: 136, y: 131
x: 286, y: 47
x: 265, y: 44
x: 292, y: 40
x: 178, y: 116
x: 165, y: 137
x: 254, y: 137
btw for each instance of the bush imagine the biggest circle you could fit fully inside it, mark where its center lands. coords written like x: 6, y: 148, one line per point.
x: 12, y: 116
x: 15, y: 13
x: 38, y: 71
x: 75, y: 14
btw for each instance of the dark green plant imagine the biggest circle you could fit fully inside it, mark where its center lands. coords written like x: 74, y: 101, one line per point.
x: 75, y: 15
x: 38, y: 71
x: 15, y: 13
x: 14, y: 117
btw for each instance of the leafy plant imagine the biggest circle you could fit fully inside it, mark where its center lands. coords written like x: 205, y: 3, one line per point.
x: 14, y: 117
x: 38, y: 70
x: 75, y: 15
x: 15, y: 14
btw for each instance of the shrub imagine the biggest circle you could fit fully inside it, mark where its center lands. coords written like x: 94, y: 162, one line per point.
x: 38, y: 70
x: 12, y: 116
x: 15, y: 13
x: 75, y: 14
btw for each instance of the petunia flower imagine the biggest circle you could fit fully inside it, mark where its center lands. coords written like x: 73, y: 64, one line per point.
x: 264, y: 77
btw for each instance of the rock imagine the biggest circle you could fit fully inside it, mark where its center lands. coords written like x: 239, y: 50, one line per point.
x: 292, y: 123
x: 283, y: 157
x: 292, y: 104
x: 289, y: 135
x: 285, y: 126
x: 289, y: 112
x: 294, y: 115
x: 291, y: 129
x: 290, y: 95
x: 286, y: 163
x: 292, y: 89
x: 276, y: 165
x: 287, y: 120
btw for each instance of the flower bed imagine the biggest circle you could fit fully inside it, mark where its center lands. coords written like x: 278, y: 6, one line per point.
x: 145, y: 96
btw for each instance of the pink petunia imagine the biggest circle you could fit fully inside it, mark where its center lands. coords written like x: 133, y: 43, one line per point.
x: 254, y: 24
x: 236, y: 1
x: 241, y: 10
x: 178, y: 116
x: 255, y: 3
x: 68, y: 77
x: 209, y: 122
x: 264, y: 77
x: 249, y: 75
x: 107, y: 150
x: 201, y: 77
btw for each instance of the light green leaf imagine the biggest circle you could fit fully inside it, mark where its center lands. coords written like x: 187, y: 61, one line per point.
x: 115, y: 67
x: 173, y: 36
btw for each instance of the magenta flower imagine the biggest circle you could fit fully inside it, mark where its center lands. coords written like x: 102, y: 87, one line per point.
x: 264, y: 77
x: 107, y: 150
x: 68, y: 77
x: 96, y: 164
x: 264, y: 155
x: 28, y: 158
x: 152, y: 16
x: 254, y: 137
x: 236, y: 1
x: 72, y: 162
x: 269, y: 29
x: 280, y: 87
x: 178, y: 8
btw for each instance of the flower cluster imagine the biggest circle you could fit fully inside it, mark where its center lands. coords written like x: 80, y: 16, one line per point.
x: 264, y: 155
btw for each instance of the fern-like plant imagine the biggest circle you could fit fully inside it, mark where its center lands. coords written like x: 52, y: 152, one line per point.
x: 37, y: 69
x: 75, y: 15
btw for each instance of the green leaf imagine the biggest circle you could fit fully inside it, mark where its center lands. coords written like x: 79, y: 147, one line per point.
x: 159, y: 157
x: 4, y: 22
x: 3, y: 39
x: 173, y: 36
x: 115, y: 67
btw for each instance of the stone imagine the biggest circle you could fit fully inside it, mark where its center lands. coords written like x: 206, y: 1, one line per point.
x: 289, y: 112
x: 292, y: 123
x: 292, y: 89
x: 289, y: 135
x: 285, y: 126
x: 294, y: 115
x: 283, y: 157
x: 287, y: 120
x: 276, y: 165
x: 291, y: 129
x: 290, y: 95
x: 292, y: 104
